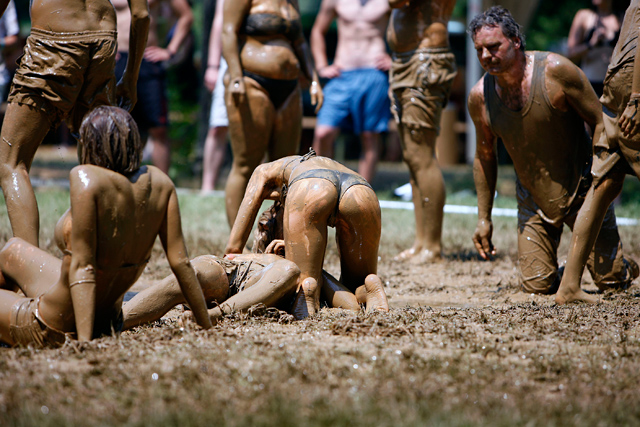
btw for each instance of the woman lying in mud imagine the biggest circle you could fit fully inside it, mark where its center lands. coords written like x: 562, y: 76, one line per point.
x: 317, y: 193
x: 117, y: 210
x: 239, y: 281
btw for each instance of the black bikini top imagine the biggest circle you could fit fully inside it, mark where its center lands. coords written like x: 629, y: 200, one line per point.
x: 269, y: 24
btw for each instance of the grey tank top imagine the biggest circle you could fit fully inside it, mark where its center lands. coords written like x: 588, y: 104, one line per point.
x: 550, y: 149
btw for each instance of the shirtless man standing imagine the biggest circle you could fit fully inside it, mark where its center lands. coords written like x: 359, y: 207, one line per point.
x: 422, y: 72
x: 616, y: 153
x: 537, y: 103
x: 66, y: 71
x: 356, y: 97
x: 151, y: 113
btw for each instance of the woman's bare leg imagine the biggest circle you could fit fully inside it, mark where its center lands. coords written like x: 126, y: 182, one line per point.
x: 154, y: 302
x: 585, y: 233
x: 287, y: 128
x: 7, y: 300
x: 337, y: 294
x: 250, y: 128
x: 215, y: 146
x: 309, y: 205
x: 274, y: 282
x: 18, y: 146
x: 28, y: 267
x: 358, y: 228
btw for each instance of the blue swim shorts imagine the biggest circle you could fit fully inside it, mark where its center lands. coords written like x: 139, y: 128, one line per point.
x: 357, y: 101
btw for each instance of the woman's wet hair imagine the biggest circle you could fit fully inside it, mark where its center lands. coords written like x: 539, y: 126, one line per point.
x: 110, y: 138
x: 497, y: 16
x: 269, y: 228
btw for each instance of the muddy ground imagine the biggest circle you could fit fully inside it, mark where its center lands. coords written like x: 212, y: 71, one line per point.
x: 461, y: 345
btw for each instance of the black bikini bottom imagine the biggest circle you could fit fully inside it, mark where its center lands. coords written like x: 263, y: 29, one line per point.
x: 278, y: 90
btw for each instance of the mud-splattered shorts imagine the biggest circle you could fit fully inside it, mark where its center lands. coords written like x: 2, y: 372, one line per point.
x: 538, y: 242
x: 66, y: 75
x: 420, y: 83
x: 26, y: 328
x: 613, y: 150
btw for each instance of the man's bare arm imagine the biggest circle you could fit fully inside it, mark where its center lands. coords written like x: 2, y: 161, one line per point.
x: 485, y: 171
x: 126, y: 90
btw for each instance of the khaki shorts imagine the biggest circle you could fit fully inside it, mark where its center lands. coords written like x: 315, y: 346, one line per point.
x: 420, y: 84
x: 26, y: 328
x: 613, y: 150
x: 538, y: 242
x: 66, y: 75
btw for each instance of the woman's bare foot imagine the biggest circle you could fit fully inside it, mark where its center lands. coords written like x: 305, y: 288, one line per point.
x: 418, y: 256
x: 564, y: 297
x: 376, y: 298
x: 306, y: 303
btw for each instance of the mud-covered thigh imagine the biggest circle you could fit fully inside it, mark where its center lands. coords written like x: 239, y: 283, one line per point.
x: 358, y: 227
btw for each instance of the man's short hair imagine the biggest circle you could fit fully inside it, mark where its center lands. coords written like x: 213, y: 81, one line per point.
x: 497, y: 16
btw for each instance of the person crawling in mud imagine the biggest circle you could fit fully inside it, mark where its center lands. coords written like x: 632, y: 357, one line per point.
x: 538, y: 104
x: 616, y: 153
x: 240, y: 281
x: 317, y: 193
x: 67, y: 70
x: 118, y: 208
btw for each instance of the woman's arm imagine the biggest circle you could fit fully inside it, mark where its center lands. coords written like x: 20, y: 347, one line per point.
x: 234, y: 14
x: 173, y: 244
x: 81, y: 268
x: 301, y: 49
x: 261, y: 186
x: 577, y: 46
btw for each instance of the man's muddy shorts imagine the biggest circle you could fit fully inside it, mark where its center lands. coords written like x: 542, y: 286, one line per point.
x: 66, y: 75
x: 26, y: 328
x: 538, y: 242
x: 151, y: 110
x: 420, y: 83
x: 613, y: 150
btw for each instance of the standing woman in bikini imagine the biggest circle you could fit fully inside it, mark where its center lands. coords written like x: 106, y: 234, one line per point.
x: 117, y: 210
x: 265, y: 49
x: 317, y: 193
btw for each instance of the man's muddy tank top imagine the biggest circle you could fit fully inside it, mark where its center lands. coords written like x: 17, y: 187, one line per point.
x: 550, y: 148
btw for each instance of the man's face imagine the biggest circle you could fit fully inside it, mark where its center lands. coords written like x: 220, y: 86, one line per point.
x: 495, y: 51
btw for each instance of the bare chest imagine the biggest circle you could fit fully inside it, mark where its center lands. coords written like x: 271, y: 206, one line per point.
x: 369, y: 11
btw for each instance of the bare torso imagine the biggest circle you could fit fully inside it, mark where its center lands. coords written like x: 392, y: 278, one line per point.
x: 361, y: 30
x: 129, y: 212
x: 271, y: 55
x: 73, y: 15
x: 419, y: 24
x: 156, y: 9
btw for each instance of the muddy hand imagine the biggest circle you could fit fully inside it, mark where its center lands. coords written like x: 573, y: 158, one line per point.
x: 630, y: 120
x: 482, y: 239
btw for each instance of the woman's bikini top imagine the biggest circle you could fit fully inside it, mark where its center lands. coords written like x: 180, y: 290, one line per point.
x: 270, y: 24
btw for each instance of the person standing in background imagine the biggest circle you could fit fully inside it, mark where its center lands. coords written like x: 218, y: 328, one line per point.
x: 215, y: 143
x: 592, y: 37
x: 356, y: 98
x: 422, y: 73
x: 151, y: 113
